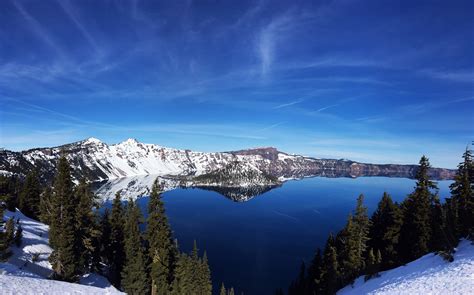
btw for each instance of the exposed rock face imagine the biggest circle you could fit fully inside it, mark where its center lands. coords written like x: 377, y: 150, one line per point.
x: 98, y: 161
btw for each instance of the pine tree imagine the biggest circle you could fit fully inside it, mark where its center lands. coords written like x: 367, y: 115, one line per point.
x: 314, y: 274
x: 231, y: 291
x: 415, y: 234
x: 30, y: 196
x: 63, y: 239
x: 10, y: 187
x: 45, y: 207
x: 223, y: 291
x: 329, y: 269
x: 4, y: 246
x: 385, y: 230
x: 63, y: 189
x: 161, y: 247
x: 440, y: 240
x: 87, y: 230
x: 105, y: 237
x: 134, y: 276
x: 205, y: 276
x: 18, y: 236
x: 352, y: 243
x: 10, y: 231
x: 361, y: 233
x: 182, y: 283
x: 462, y: 201
x: 115, y: 252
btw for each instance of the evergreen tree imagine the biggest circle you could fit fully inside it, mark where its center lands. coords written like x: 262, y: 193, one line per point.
x: 63, y: 239
x: 4, y: 245
x: 115, y: 251
x: 462, y: 201
x: 105, y: 237
x: 351, y: 243
x: 205, y: 276
x: 18, y: 236
x: 440, y: 240
x: 87, y: 230
x: 329, y: 269
x: 361, y: 233
x: 415, y: 234
x: 45, y: 206
x: 62, y: 190
x: 134, y: 276
x: 161, y: 247
x: 183, y: 284
x: 30, y: 196
x: 10, y: 231
x: 223, y: 291
x: 10, y: 187
x: 385, y: 230
x: 314, y: 274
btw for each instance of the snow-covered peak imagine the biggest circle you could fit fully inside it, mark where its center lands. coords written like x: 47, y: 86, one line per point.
x: 92, y: 140
x: 130, y: 141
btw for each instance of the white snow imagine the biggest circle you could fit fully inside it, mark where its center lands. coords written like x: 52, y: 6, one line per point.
x: 430, y: 274
x: 21, y: 275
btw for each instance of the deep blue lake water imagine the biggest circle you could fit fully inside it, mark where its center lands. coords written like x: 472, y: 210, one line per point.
x: 258, y: 246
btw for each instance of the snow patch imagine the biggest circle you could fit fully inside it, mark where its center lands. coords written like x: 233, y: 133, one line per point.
x: 430, y: 274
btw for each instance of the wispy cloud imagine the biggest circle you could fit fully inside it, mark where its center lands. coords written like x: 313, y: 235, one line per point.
x: 270, y: 37
x: 284, y: 105
x: 71, y: 12
x: 457, y: 76
x: 270, y: 127
x: 38, y: 29
x: 326, y: 107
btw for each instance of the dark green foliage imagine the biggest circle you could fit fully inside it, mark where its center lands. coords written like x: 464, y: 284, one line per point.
x: 440, y: 239
x: 162, y: 251
x: 62, y: 190
x: 462, y: 201
x: 415, y: 234
x: 398, y: 234
x: 330, y: 268
x: 352, y: 242
x: 30, y: 196
x: 192, y: 275
x: 10, y: 187
x: 314, y: 273
x: 105, y: 237
x: 62, y: 234
x: 46, y: 206
x: 134, y: 275
x: 18, y: 236
x: 4, y: 245
x: 372, y: 264
x: 115, y: 252
x: 87, y: 230
x: 10, y: 231
x: 385, y: 230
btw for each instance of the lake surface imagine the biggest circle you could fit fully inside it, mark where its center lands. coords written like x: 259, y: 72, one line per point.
x: 257, y: 246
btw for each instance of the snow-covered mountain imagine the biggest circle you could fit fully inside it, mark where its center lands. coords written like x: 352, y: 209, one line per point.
x: 99, y: 161
x: 430, y: 274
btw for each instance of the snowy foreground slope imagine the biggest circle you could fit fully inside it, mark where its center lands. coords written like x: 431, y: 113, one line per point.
x: 21, y: 275
x: 429, y: 274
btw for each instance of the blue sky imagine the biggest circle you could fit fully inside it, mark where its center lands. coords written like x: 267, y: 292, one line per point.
x: 374, y: 81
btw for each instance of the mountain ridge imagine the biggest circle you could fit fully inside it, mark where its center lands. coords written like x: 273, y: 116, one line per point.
x: 98, y: 161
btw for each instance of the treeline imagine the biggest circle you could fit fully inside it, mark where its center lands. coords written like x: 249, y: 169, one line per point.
x: 137, y: 257
x: 395, y: 234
